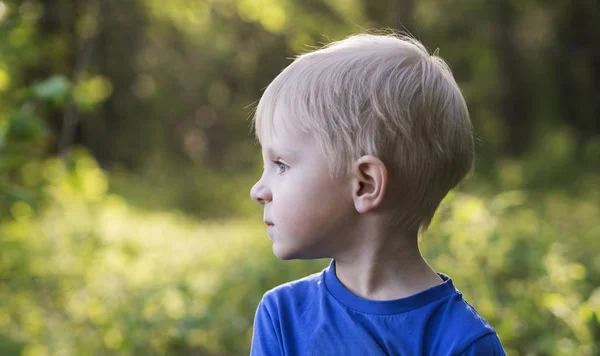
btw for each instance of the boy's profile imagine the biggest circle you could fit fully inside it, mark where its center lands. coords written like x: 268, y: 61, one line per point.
x: 361, y: 141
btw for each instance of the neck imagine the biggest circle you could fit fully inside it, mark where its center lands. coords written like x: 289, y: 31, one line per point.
x: 384, y: 266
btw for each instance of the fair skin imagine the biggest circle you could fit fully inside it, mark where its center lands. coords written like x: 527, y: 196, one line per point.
x: 311, y: 214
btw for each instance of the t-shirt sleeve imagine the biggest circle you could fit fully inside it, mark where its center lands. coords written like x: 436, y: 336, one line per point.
x: 488, y: 345
x: 265, y: 339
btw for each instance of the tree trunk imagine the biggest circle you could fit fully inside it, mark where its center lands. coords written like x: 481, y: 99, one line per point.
x: 514, y: 91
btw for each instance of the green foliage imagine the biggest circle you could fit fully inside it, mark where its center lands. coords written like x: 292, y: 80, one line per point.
x: 23, y: 140
x: 25, y: 126
x: 91, y: 92
x: 88, y: 274
x: 55, y: 90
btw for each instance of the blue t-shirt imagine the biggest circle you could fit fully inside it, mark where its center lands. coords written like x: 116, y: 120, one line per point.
x: 317, y: 315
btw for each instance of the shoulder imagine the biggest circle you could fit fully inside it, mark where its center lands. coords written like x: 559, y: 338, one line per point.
x: 293, y: 293
x: 458, y: 324
x: 277, y: 312
x: 284, y: 314
x: 486, y: 345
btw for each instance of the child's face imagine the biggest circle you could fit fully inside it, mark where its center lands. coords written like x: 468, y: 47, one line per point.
x: 306, y: 209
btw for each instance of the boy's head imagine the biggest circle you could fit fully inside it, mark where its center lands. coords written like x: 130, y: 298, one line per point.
x: 383, y: 96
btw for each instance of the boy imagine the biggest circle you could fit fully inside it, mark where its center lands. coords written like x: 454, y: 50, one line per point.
x: 361, y: 141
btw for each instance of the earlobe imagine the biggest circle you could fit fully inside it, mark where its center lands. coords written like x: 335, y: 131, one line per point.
x: 369, y: 183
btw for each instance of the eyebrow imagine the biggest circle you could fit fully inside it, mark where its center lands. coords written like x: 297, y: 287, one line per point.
x: 277, y: 153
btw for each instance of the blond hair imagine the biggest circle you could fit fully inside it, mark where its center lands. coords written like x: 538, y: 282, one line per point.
x: 386, y: 96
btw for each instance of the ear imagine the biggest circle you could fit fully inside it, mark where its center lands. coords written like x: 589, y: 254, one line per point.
x: 369, y: 183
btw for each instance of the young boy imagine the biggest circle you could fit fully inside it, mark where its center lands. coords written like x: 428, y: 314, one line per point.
x: 361, y: 141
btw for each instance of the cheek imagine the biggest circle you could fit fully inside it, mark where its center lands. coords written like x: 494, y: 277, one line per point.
x: 309, y: 211
x: 293, y: 209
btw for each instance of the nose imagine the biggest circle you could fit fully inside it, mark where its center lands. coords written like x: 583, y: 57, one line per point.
x: 260, y: 193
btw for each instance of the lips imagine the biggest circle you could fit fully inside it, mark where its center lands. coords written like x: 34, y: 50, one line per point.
x: 269, y: 229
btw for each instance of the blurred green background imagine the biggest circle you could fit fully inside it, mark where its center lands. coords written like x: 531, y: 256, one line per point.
x: 126, y: 159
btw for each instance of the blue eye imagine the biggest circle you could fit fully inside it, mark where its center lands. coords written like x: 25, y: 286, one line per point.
x: 281, y: 167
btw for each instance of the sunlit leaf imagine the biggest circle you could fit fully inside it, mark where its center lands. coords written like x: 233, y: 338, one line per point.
x: 56, y: 89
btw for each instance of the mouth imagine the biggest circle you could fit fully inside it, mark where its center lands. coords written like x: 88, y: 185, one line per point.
x: 269, y: 229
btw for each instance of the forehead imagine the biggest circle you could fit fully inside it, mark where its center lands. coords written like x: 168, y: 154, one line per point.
x: 277, y: 129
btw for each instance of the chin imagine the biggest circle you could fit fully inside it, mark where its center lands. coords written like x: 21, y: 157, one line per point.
x: 286, y: 254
